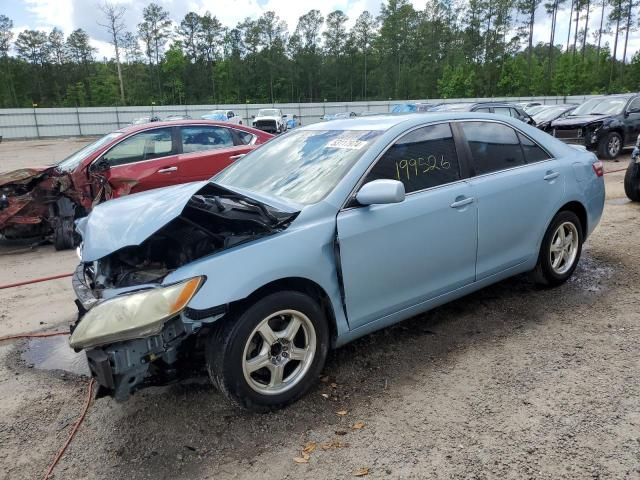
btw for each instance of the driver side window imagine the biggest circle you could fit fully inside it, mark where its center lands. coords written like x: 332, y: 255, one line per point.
x: 634, y: 106
x: 141, y: 146
x: 423, y: 158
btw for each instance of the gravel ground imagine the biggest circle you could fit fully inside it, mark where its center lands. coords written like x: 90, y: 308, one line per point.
x: 511, y: 382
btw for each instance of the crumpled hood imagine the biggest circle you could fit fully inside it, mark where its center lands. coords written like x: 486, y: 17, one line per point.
x: 130, y: 220
x: 21, y: 175
x: 579, y: 121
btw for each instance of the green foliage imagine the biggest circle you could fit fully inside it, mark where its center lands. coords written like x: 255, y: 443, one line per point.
x: 451, y: 49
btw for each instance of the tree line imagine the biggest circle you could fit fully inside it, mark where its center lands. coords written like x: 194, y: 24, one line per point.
x: 452, y: 48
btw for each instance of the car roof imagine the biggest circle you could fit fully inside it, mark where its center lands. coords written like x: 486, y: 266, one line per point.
x: 172, y: 123
x: 387, y: 121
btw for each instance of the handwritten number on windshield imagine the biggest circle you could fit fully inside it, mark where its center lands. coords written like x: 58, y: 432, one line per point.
x: 414, y: 167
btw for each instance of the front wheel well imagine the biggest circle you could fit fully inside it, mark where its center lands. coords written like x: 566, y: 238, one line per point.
x: 297, y: 284
x: 580, y: 211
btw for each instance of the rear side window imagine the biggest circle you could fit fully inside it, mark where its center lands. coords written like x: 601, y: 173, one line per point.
x: 532, y: 151
x: 244, y: 137
x: 423, y: 158
x: 502, y: 111
x: 483, y: 110
x: 493, y: 146
x: 202, y: 138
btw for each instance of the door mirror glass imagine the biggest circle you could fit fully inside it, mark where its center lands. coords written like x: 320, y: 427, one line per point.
x: 99, y: 166
x: 379, y: 192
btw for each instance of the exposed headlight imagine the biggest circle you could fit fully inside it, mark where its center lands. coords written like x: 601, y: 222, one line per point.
x: 132, y: 316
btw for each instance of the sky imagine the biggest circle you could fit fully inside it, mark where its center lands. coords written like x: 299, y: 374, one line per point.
x: 71, y: 14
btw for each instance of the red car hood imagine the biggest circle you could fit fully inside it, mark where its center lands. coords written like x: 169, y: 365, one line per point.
x: 22, y: 175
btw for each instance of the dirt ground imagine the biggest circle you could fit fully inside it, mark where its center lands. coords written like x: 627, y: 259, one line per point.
x: 511, y: 382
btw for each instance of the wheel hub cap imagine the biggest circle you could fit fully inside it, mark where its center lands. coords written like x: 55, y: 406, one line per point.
x: 279, y: 352
x: 564, y: 248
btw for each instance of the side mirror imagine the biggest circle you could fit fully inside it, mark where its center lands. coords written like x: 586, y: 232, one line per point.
x: 295, y: 116
x: 380, y: 192
x: 100, y: 166
x: 253, y: 116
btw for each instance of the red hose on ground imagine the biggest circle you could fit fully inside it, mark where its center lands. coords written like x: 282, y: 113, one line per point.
x: 32, y: 335
x: 614, y: 171
x: 73, y: 431
x: 37, y: 280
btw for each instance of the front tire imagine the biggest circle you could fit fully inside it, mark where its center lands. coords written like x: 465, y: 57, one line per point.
x: 270, y: 354
x: 632, y: 182
x: 610, y: 146
x: 560, y: 250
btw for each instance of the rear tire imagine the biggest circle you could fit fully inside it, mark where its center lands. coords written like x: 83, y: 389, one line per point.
x: 610, y: 146
x: 632, y: 182
x: 271, y: 354
x: 560, y: 250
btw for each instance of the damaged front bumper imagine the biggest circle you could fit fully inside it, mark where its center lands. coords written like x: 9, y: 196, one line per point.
x: 136, y: 360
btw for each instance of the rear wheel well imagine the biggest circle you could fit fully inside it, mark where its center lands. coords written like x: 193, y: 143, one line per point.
x: 297, y: 284
x: 581, y: 213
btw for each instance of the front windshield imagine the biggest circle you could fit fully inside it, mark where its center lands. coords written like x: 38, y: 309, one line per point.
x: 600, y: 106
x: 269, y: 112
x: 218, y: 112
x: 451, y: 107
x: 549, y: 114
x: 302, y: 166
x: 404, y: 108
x: 72, y: 161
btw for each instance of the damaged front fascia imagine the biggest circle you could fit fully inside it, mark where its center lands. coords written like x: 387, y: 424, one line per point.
x: 28, y: 195
x: 213, y: 219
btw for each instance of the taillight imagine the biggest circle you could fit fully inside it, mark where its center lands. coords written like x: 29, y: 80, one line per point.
x: 598, y: 168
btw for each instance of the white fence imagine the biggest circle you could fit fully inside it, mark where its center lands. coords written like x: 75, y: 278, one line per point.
x: 25, y: 123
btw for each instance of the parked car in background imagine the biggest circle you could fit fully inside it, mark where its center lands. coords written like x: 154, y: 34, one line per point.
x: 292, y: 121
x: 319, y: 237
x: 549, y: 113
x: 143, y: 120
x: 499, y: 108
x: 45, y: 201
x: 223, y: 116
x: 632, y: 176
x: 411, y: 107
x: 169, y: 118
x: 605, y: 124
x: 527, y: 106
x: 337, y: 116
x: 270, y: 120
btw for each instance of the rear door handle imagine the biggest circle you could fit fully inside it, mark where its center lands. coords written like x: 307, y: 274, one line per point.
x: 551, y: 175
x: 236, y: 157
x: 168, y: 170
x: 461, y: 202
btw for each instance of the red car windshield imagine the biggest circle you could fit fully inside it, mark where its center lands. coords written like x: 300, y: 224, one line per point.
x: 71, y: 162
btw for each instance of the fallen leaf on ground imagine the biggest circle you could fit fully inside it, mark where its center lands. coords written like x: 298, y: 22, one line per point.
x: 358, y: 425
x: 309, y: 448
x: 325, y: 395
x: 361, y: 472
x: 333, y: 444
x: 301, y: 460
x: 334, y: 385
x: 342, y: 413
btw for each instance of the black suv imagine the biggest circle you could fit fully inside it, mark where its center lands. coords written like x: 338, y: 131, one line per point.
x: 499, y: 108
x: 606, y: 124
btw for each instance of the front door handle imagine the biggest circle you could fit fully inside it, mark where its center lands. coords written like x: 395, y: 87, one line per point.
x: 551, y: 175
x: 236, y: 157
x: 168, y: 170
x: 461, y: 202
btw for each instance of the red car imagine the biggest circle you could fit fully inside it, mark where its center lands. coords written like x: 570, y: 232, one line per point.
x: 44, y: 202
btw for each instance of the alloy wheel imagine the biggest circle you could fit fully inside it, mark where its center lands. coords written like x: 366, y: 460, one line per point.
x: 614, y: 146
x: 564, y: 248
x: 279, y: 352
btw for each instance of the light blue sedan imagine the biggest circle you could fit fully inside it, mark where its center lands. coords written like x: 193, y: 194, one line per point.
x: 320, y: 236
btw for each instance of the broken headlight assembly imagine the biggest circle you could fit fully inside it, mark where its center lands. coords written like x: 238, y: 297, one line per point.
x: 135, y: 315
x: 594, y: 129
